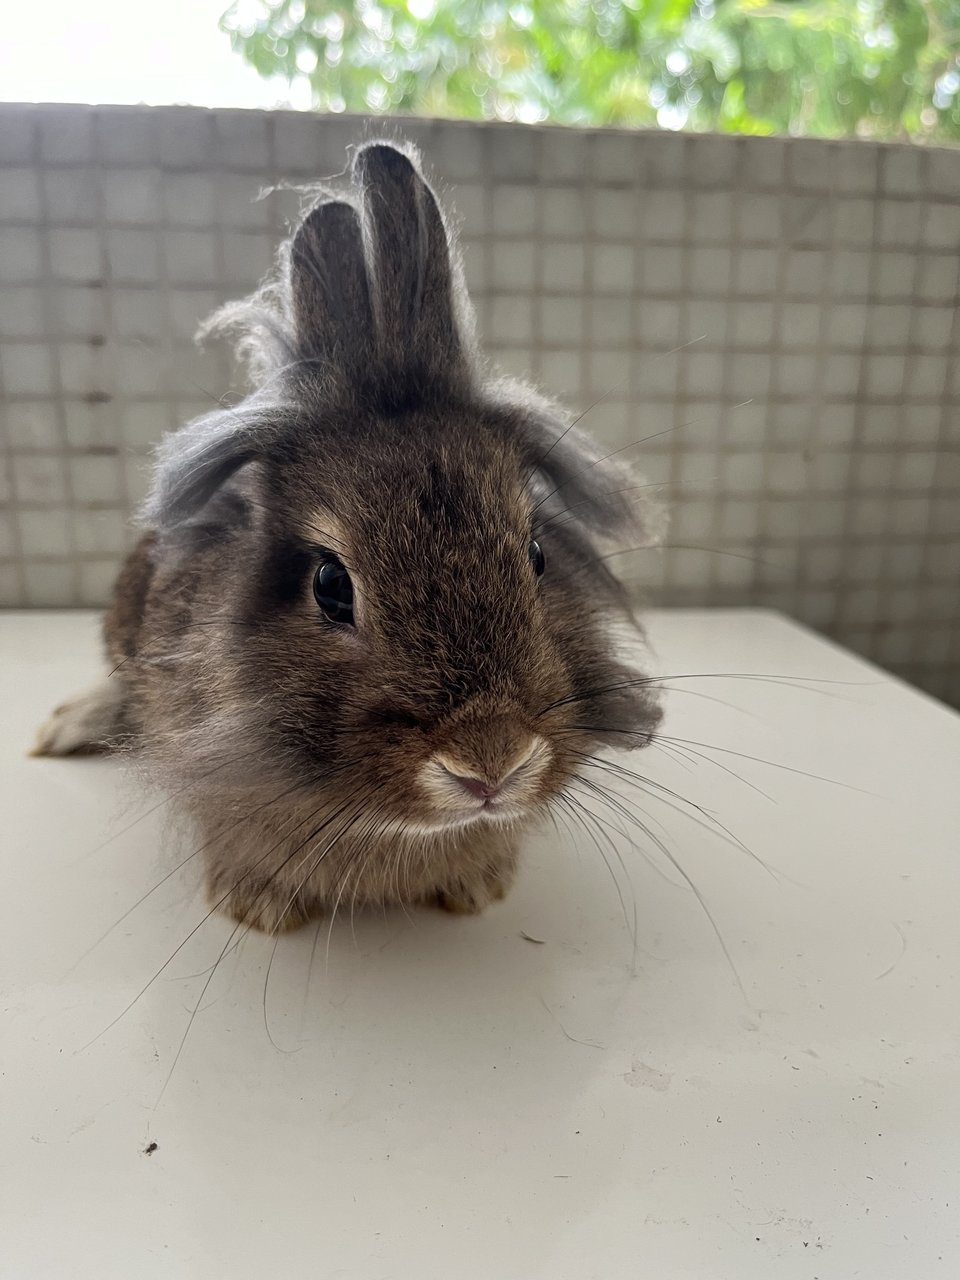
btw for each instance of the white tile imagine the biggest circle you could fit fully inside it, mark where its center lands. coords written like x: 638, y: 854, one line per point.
x: 89, y: 425
x: 762, y: 164
x: 805, y: 272
x: 941, y: 226
x: 19, y: 196
x: 607, y: 371
x: 137, y: 474
x: 563, y: 155
x: 712, y: 161
x: 188, y: 199
x: 560, y: 373
x: 31, y: 424
x: 131, y: 196
x: 66, y: 134
x: 796, y: 374
x: 613, y: 268
x: 899, y: 223
x: 870, y: 515
x: 21, y: 313
x: 18, y: 143
x: 616, y: 215
x: 459, y: 154
x: 664, y: 216
x: 79, y: 311
x: 792, y: 425
x: 514, y: 211
x: 841, y: 374
x: 132, y: 256
x: 610, y: 322
x: 20, y: 260
x: 127, y: 137
x: 302, y: 145
x: 846, y: 324
x: 712, y: 214
x: 95, y: 581
x: 513, y: 265
x: 49, y: 584
x: 895, y: 275
x: 94, y: 478
x: 187, y: 307
x: 44, y: 532
x: 825, y: 517
x: 563, y: 212
x: 709, y: 270
x: 247, y: 258
x: 561, y: 321
x: 513, y: 154
x: 885, y: 375
x: 657, y: 323
x: 703, y: 372
x: 139, y: 313
x: 100, y: 532
x: 828, y: 471
x: 850, y: 274
x: 511, y: 319
x: 909, y: 517
x: 143, y: 423
x: 751, y: 324
x: 926, y: 375
x: 238, y: 202
x: 39, y: 478
x: 742, y: 473
x: 800, y: 324
x: 916, y: 469
x: 901, y: 170
x: 853, y: 222
x: 613, y: 157
x: 185, y: 139
x: 26, y: 369
x: 750, y: 375
x: 938, y: 279
x: 661, y: 270
x: 756, y: 272
x: 191, y: 256
x: 759, y: 218
x: 706, y: 322
x: 933, y: 326
x: 873, y: 471
x: 76, y: 254
x: 889, y: 326
x: 855, y: 169
x: 472, y: 204
x: 563, y: 268
x: 943, y: 172
x: 83, y: 369
x: 138, y: 370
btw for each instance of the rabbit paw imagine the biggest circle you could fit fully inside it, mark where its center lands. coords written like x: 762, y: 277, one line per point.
x: 85, y: 724
x: 260, y: 905
x: 470, y: 897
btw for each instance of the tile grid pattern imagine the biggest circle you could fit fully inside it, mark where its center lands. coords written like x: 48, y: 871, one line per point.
x: 775, y: 319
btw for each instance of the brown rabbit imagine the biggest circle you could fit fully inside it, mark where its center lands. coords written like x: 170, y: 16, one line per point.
x: 369, y: 635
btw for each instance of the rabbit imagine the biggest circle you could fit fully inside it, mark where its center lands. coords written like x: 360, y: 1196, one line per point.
x: 369, y: 632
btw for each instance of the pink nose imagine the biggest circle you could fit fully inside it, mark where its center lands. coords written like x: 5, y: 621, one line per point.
x: 476, y: 786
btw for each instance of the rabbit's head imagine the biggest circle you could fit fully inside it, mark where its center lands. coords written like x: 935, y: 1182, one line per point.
x: 398, y: 558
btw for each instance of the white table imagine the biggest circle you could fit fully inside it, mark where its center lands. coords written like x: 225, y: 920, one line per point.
x: 449, y: 1099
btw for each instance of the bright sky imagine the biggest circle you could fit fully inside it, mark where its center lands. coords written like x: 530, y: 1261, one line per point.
x: 128, y: 51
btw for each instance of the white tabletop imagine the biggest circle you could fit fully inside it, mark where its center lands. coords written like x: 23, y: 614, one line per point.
x: 448, y: 1098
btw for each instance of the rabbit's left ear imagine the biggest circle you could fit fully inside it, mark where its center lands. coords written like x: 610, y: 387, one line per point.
x: 419, y: 305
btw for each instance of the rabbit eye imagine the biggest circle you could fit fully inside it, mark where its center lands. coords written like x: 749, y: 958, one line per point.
x: 333, y: 591
x: 536, y: 557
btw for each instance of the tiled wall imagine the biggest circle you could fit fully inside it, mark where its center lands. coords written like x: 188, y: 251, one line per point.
x: 779, y: 316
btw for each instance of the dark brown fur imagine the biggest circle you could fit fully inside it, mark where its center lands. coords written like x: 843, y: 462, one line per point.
x: 307, y: 752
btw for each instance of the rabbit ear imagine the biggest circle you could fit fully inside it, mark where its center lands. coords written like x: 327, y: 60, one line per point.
x: 194, y: 462
x: 415, y: 295
x: 328, y: 289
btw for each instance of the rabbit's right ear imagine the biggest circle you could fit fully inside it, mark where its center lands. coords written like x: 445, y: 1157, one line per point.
x: 329, y: 296
x: 418, y: 302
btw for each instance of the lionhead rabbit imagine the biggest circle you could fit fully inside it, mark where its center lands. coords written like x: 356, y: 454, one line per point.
x: 369, y: 635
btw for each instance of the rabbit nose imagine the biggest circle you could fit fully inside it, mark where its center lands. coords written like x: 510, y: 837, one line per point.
x: 486, y: 787
x: 476, y: 786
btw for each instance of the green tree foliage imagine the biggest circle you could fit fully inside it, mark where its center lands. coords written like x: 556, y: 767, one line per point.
x: 827, y: 68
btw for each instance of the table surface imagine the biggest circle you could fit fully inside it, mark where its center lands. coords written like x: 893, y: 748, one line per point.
x: 439, y: 1097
